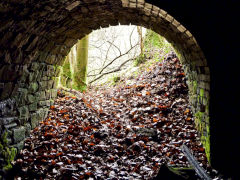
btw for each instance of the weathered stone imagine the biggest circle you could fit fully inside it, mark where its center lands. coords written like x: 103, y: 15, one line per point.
x: 23, y: 121
x: 40, y: 114
x: 33, y: 87
x: 41, y: 95
x: 30, y: 99
x: 55, y: 84
x: 45, y: 78
x: 23, y: 112
x: 33, y: 76
x: 48, y: 103
x: 34, y: 120
x: 9, y: 126
x: 34, y: 66
x: 48, y: 94
x: 42, y: 103
x: 50, y: 70
x: 53, y: 93
x: 50, y: 84
x: 21, y: 96
x: 28, y: 129
x: 7, y: 120
x: 33, y: 106
x: 7, y: 91
x: 150, y: 132
x: 45, y: 111
x: 51, y: 58
x: 19, y: 146
x: 43, y: 85
x: 19, y: 134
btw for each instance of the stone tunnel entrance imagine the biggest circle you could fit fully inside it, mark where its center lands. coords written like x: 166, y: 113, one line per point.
x: 38, y: 36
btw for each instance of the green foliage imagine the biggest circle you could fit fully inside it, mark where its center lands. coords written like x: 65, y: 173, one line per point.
x: 205, y: 139
x: 139, y: 60
x: 66, y: 73
x: 116, y: 79
x: 153, y: 41
x: 8, y: 153
x: 66, y: 69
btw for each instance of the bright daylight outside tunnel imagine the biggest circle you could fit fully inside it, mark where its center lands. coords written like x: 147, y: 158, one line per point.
x: 103, y: 90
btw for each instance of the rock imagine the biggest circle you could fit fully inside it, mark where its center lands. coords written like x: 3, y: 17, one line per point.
x: 33, y: 87
x: 21, y: 96
x: 19, y: 134
x: 9, y: 126
x: 7, y: 120
x: 41, y: 95
x: 50, y: 84
x: 33, y: 76
x: 28, y: 129
x: 19, y: 146
x: 34, y: 66
x: 34, y: 120
x: 30, y: 99
x: 48, y: 94
x: 43, y: 85
x: 23, y: 111
x: 50, y: 70
x: 33, y: 106
x: 149, y: 132
x: 42, y: 103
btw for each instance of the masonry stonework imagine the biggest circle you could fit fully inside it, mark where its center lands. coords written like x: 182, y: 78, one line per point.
x: 37, y: 35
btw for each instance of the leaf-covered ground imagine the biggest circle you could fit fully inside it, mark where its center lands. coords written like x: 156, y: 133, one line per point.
x: 122, y: 132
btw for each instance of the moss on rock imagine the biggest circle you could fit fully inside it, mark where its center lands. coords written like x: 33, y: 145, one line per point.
x: 8, y: 153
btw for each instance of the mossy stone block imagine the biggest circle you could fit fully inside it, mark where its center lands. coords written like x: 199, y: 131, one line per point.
x: 23, y: 112
x: 34, y: 120
x: 33, y: 106
x: 31, y: 99
x: 19, y: 134
x: 33, y: 87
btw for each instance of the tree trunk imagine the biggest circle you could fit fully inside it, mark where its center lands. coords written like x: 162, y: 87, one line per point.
x: 139, y: 29
x: 66, y: 76
x: 80, y: 65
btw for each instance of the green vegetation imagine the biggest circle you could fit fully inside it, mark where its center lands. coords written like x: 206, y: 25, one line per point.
x: 140, y: 60
x: 80, y: 65
x: 116, y: 79
x: 153, y: 41
x: 155, y: 47
x: 66, y: 74
x: 74, y: 69
x: 8, y: 153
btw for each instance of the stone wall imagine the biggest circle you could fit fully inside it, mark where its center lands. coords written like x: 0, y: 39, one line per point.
x: 29, y: 102
x: 37, y: 35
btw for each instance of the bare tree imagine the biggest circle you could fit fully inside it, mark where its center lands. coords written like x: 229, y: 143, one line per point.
x: 110, y: 54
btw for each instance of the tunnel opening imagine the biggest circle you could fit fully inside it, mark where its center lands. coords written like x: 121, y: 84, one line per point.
x: 122, y: 132
x: 29, y: 75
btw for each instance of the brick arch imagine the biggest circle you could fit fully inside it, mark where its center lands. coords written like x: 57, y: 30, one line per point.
x: 38, y: 36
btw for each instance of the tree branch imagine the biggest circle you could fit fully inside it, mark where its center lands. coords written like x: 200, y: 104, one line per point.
x: 115, y: 70
x: 117, y: 58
